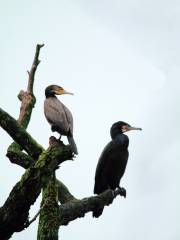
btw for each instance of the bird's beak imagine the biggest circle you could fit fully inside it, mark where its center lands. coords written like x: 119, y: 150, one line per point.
x: 62, y: 91
x: 127, y: 128
x: 65, y: 92
x: 133, y: 128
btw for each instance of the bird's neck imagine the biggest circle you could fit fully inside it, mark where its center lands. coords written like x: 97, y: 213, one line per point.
x: 48, y: 95
x: 122, y: 139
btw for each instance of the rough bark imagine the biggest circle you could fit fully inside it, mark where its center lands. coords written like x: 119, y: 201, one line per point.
x: 33, y: 68
x: 48, y: 222
x: 27, y: 98
x: 14, y: 213
x: 53, y: 192
x: 78, y: 208
x: 28, y: 101
x: 63, y: 193
x: 19, y: 135
x: 16, y: 156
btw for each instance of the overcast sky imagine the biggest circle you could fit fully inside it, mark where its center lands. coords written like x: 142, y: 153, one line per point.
x: 121, y: 60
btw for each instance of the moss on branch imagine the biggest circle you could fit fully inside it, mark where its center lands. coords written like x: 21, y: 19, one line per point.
x: 63, y: 193
x: 78, y: 208
x: 48, y: 221
x: 15, y: 155
x: 19, y: 134
x: 14, y: 212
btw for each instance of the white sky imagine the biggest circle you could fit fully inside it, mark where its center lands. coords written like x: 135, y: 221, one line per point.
x: 121, y: 59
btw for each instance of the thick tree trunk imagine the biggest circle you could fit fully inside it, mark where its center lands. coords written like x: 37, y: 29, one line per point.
x: 48, y: 221
x: 14, y: 213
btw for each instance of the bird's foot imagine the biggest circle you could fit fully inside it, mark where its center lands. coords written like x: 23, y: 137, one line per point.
x: 122, y: 191
x: 73, y: 156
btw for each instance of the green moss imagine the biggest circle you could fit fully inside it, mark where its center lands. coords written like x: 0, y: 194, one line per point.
x: 14, y: 213
x: 48, y: 221
x: 19, y: 135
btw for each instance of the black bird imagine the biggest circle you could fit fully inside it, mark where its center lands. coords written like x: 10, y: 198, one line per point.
x: 58, y: 115
x: 112, y: 162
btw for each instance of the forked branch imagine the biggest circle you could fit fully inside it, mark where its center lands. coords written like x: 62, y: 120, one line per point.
x: 14, y: 213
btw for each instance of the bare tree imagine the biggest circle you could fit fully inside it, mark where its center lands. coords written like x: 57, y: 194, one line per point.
x: 58, y: 205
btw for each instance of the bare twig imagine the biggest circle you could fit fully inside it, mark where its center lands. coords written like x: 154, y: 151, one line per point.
x: 31, y: 73
x: 33, y: 219
x: 33, y: 68
x: 27, y: 98
x: 29, y: 222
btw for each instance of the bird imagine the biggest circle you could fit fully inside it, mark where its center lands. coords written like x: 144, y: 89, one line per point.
x: 112, y: 162
x: 58, y: 115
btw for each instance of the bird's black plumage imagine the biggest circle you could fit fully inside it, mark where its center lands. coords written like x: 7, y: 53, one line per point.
x: 112, y: 162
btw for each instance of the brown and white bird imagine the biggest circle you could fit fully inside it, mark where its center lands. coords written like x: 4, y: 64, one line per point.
x: 58, y: 115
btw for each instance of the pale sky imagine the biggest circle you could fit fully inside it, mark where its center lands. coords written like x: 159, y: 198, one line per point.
x: 121, y: 60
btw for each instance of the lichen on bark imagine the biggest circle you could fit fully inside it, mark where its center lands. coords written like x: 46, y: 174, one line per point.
x: 14, y: 213
x: 48, y: 222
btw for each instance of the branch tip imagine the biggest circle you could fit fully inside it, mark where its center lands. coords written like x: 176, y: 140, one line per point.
x: 40, y: 45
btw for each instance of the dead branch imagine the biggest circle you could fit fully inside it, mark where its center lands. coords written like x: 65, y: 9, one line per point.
x: 33, y: 68
x: 27, y: 98
x: 28, y: 101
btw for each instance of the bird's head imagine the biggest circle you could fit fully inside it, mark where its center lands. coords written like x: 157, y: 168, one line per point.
x: 53, y: 90
x: 121, y: 127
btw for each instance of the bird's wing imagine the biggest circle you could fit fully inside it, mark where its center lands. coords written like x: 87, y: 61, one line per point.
x: 69, y: 118
x: 104, y: 157
x: 102, y: 168
x: 55, y: 113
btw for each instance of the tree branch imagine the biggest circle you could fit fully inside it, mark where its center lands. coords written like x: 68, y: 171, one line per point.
x: 33, y: 68
x: 51, y: 217
x: 15, y: 155
x: 14, y: 213
x: 27, y: 98
x: 28, y: 223
x: 63, y: 193
x: 78, y: 208
x: 28, y: 101
x: 10, y: 125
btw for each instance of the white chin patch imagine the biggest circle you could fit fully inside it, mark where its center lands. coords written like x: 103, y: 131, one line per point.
x: 124, y: 130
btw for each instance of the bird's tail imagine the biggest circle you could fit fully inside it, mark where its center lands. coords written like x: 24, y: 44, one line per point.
x: 72, y: 144
x: 97, y: 212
